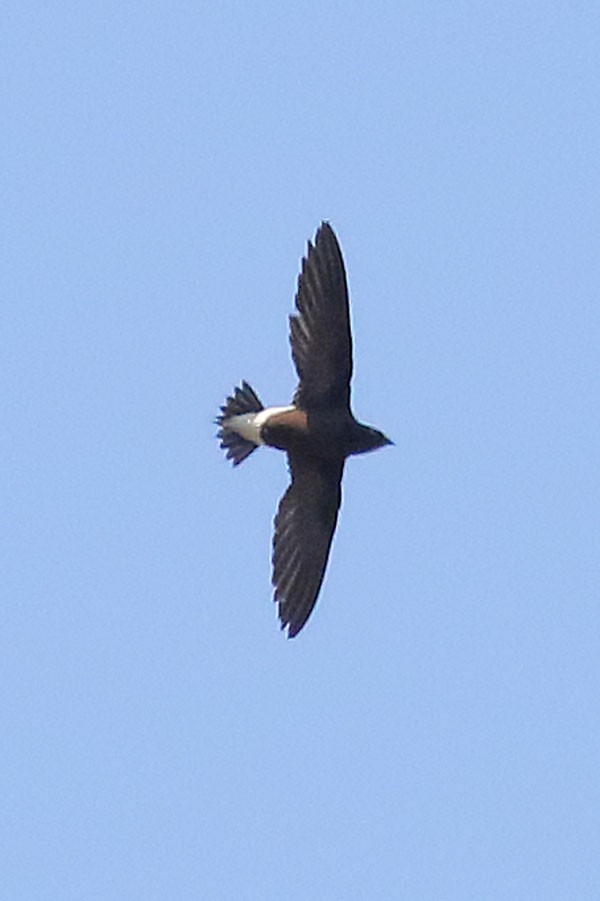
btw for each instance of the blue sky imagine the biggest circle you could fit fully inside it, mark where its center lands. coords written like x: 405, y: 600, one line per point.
x: 434, y: 732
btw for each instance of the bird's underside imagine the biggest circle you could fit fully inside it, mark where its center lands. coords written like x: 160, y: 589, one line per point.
x: 317, y: 431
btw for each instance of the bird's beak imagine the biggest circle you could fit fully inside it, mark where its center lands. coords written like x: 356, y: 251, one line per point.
x: 389, y: 441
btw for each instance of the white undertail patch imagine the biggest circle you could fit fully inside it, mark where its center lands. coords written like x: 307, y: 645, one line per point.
x: 249, y: 425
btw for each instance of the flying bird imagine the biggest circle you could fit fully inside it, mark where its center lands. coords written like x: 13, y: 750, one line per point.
x: 317, y: 430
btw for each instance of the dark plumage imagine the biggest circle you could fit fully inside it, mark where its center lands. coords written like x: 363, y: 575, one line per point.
x: 318, y: 431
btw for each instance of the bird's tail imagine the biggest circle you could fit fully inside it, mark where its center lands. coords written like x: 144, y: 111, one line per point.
x: 243, y: 400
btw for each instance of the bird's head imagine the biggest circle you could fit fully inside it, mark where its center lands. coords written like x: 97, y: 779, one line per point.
x: 370, y: 439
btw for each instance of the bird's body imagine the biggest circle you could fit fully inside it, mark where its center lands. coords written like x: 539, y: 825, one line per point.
x: 318, y: 430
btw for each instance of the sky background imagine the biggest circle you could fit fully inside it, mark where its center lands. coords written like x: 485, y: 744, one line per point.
x: 434, y: 732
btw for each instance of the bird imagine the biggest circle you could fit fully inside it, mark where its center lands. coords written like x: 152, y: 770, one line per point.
x: 318, y: 430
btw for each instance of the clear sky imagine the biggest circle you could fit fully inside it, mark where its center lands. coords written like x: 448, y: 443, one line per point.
x: 434, y: 732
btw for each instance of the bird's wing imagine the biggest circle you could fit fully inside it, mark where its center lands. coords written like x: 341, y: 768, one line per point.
x: 320, y: 332
x: 304, y: 527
